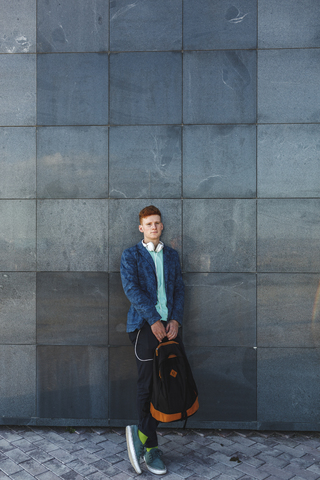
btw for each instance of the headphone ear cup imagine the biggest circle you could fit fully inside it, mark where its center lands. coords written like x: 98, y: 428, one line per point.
x: 150, y: 247
x: 159, y: 247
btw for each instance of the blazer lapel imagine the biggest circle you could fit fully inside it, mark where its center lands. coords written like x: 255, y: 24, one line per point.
x: 144, y: 252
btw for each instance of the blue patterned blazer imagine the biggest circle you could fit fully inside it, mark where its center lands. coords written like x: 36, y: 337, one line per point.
x: 139, y: 282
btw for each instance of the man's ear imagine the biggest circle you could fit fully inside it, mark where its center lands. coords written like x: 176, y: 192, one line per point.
x: 140, y: 228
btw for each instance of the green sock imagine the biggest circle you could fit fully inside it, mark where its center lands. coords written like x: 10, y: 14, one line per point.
x: 148, y: 449
x: 143, y: 437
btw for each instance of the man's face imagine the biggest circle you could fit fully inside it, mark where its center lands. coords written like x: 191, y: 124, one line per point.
x: 152, y: 228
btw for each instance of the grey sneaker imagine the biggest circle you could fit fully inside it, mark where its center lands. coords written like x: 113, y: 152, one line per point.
x: 135, y: 446
x: 154, y: 462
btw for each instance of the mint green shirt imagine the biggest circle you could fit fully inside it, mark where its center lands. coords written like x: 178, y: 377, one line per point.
x: 161, y: 305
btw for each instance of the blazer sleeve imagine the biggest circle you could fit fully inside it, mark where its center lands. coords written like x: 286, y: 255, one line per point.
x: 178, y: 293
x: 137, y: 297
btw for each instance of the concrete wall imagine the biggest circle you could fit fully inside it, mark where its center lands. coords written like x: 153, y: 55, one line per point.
x: 208, y: 109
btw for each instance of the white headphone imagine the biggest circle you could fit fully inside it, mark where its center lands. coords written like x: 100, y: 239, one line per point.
x: 150, y: 247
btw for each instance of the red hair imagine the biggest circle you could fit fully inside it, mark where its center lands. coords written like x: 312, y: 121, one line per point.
x: 147, y: 211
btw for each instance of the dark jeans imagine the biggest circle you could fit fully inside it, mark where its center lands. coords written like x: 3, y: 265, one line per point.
x: 145, y: 347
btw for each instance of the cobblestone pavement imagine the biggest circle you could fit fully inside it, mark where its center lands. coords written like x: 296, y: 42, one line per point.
x: 98, y: 454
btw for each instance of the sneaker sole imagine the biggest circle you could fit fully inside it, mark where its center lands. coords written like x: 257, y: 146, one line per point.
x: 131, y: 451
x: 152, y: 470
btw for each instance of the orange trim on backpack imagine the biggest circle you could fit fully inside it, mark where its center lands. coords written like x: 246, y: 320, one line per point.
x: 172, y: 417
x: 166, y: 343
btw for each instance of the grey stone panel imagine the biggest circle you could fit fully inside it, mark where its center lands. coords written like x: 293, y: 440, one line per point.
x: 288, y: 24
x: 122, y: 383
x: 124, y: 223
x: 118, y: 309
x: 288, y: 161
x: 288, y: 385
x: 72, y: 162
x: 226, y: 381
x: 18, y: 235
x: 219, y: 161
x: 219, y: 235
x: 79, y: 26
x: 18, y: 90
x: 72, y: 89
x: 72, y: 382
x: 72, y: 235
x: 18, y: 308
x: 18, y: 380
x: 18, y: 162
x: 288, y: 310
x: 18, y: 26
x: 217, y: 24
x: 145, y: 25
x: 219, y: 87
x: 145, y: 162
x: 288, y: 86
x: 288, y: 235
x: 72, y: 308
x: 145, y: 88
x: 220, y: 310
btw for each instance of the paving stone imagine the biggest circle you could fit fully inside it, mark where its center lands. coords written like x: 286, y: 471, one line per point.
x: 305, y: 461
x: 197, y: 477
x: 115, y: 438
x: 198, y: 458
x: 10, y: 436
x: 40, y: 455
x: 72, y: 476
x: 183, y: 472
x: 276, y: 461
x: 56, y: 467
x: 221, y: 458
x: 305, y: 473
x: 110, y: 447
x: 17, y: 455
x: 23, y: 444
x: 48, y: 476
x: 98, y: 476
x: 81, y: 467
x: 33, y: 467
x: 3, y: 475
x: 22, y: 475
x: 125, y: 466
x: 105, y: 467
x: 64, y: 456
x: 30, y: 436
x: 314, y: 468
x: 46, y: 445
x: 295, y: 452
x: 9, y: 467
x: 253, y: 461
x: 121, y: 476
x: 90, y: 446
x: 251, y: 471
x: 226, y: 450
x: 5, y: 446
x: 276, y: 472
x: 223, y: 469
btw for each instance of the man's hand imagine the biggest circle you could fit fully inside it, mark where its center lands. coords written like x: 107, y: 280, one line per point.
x: 158, y: 330
x: 172, y: 329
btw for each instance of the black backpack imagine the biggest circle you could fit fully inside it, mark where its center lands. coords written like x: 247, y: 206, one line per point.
x: 174, y: 393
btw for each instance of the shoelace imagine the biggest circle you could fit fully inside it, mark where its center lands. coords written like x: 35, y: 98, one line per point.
x: 155, y: 453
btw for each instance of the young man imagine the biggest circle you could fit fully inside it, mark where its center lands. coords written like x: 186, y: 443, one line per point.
x: 152, y: 281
